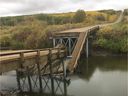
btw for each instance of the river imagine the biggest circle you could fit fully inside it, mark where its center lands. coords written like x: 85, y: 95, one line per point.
x: 96, y: 76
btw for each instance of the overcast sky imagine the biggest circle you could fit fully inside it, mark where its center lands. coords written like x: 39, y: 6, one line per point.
x: 23, y: 7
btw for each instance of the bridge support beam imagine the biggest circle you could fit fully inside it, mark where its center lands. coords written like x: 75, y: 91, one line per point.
x: 69, y: 42
x: 87, y: 48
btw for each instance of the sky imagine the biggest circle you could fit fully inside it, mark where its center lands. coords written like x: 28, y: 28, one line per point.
x: 26, y: 7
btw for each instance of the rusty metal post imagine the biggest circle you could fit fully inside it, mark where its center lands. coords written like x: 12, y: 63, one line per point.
x: 51, y: 72
x: 39, y: 72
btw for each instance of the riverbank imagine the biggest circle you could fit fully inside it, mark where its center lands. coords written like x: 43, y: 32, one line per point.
x: 105, y: 52
x: 112, y: 39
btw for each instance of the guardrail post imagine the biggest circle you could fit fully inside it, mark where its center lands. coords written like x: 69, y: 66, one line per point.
x: 39, y: 72
x: 51, y: 73
x: 21, y: 59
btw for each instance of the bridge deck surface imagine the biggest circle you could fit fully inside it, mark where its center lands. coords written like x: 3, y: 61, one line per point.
x: 77, y: 30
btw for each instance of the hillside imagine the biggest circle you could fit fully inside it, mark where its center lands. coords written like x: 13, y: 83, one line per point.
x: 33, y: 31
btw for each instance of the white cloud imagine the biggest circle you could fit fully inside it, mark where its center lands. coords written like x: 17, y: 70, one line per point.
x: 21, y: 7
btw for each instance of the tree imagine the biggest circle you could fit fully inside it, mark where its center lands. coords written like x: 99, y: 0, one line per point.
x: 100, y: 17
x: 79, y: 16
x: 125, y: 11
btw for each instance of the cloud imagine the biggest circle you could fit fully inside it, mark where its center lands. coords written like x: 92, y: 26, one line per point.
x: 21, y: 7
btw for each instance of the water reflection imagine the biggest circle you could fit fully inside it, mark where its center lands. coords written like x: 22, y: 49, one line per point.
x: 9, y: 86
x: 109, y: 64
x: 100, y: 76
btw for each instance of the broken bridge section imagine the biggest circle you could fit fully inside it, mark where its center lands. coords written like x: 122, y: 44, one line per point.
x: 74, y: 40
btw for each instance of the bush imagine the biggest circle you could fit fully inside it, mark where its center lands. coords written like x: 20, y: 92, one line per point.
x: 113, y: 37
x: 5, y: 41
x: 100, y: 17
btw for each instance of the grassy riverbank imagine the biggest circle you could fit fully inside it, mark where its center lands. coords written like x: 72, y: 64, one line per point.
x: 113, y: 38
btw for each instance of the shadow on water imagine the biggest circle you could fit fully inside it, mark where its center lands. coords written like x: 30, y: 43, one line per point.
x: 9, y: 86
x: 105, y: 64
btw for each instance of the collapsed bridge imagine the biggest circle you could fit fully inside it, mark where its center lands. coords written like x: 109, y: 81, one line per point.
x: 38, y: 67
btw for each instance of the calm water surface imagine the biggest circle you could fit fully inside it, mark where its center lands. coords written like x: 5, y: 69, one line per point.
x: 101, y: 76
x: 98, y: 76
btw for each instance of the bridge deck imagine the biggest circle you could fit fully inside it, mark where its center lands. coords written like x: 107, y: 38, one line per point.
x: 77, y: 30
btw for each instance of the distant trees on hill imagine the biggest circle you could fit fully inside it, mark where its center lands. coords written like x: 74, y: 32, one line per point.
x: 79, y: 16
x: 51, y: 19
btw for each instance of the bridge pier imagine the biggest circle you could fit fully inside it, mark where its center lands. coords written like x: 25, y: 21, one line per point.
x: 87, y: 48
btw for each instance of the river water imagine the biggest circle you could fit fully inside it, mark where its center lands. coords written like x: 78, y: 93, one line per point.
x: 101, y: 76
x: 96, y: 76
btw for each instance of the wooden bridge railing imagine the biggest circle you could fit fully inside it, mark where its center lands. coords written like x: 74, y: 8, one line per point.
x: 16, y: 60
